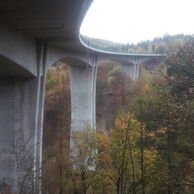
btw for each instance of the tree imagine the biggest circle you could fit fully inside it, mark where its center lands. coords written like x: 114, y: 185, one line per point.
x: 120, y: 155
x: 168, y: 122
x: 180, y: 69
x: 56, y: 129
x: 83, y: 160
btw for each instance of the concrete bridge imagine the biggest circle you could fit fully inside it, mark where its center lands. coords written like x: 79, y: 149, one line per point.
x: 34, y: 35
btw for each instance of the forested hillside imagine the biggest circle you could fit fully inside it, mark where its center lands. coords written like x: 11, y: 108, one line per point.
x: 166, y: 44
x: 145, y: 128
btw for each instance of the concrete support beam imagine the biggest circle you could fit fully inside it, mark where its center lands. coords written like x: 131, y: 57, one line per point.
x: 83, y: 96
x: 19, y: 49
x: 17, y: 129
x: 38, y: 133
x: 131, y: 66
x: 131, y: 70
x: 21, y: 114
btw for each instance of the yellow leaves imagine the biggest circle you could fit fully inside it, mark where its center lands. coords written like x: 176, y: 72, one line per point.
x: 126, y: 121
x: 103, y: 141
x: 122, y: 120
x: 150, y: 155
x: 126, y: 126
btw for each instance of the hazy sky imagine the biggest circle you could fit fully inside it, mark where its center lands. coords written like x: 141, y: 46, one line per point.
x: 136, y: 20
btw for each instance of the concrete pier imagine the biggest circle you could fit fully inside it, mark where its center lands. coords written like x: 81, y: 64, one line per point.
x: 83, y: 94
x: 131, y: 70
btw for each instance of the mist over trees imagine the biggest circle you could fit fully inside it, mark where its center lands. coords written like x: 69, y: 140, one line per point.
x: 145, y: 128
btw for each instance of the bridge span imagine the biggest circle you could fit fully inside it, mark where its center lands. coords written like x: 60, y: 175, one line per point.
x: 35, y: 34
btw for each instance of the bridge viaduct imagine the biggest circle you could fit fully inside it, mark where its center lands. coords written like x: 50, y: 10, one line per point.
x: 34, y: 35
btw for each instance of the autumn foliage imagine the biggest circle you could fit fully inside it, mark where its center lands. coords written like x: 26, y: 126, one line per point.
x: 144, y: 141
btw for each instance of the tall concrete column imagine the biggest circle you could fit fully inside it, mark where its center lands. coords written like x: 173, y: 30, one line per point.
x: 131, y: 70
x: 21, y: 106
x: 83, y: 96
x: 7, y: 138
x: 17, y: 128
x: 40, y: 93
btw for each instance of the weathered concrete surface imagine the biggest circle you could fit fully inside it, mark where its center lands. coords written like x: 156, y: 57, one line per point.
x: 83, y: 93
x: 17, y: 128
x: 17, y: 53
x: 21, y: 103
x: 7, y: 137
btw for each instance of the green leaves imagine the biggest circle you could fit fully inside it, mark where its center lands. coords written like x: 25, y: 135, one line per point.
x: 181, y: 70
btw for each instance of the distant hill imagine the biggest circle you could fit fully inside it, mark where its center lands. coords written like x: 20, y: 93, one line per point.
x: 166, y: 44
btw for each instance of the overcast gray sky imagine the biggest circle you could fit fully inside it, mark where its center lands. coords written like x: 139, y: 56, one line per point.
x: 133, y: 21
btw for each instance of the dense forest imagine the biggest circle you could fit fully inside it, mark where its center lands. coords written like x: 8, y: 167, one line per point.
x: 145, y: 128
